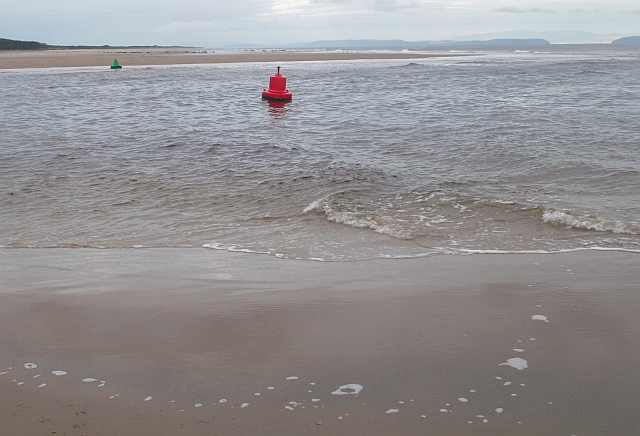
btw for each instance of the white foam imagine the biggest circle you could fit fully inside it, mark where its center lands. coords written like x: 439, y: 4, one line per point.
x: 38, y: 375
x: 587, y: 222
x: 293, y: 377
x: 198, y: 405
x: 518, y: 350
x: 42, y: 385
x: 270, y: 388
x: 499, y: 410
x: 393, y: 411
x: 443, y: 410
x: 59, y: 373
x: 30, y: 366
x: 243, y: 405
x: 472, y: 390
x: 315, y: 400
x: 539, y: 318
x: 90, y: 380
x: 223, y: 400
x: 484, y: 421
x: 349, y: 389
x: 506, y: 383
x: 21, y: 383
x: 3, y: 373
x: 149, y: 398
x: 463, y: 400
x: 257, y: 394
x: 516, y: 362
x: 289, y: 408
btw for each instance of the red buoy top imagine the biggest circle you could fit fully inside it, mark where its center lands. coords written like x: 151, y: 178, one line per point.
x: 277, y: 82
x: 277, y: 88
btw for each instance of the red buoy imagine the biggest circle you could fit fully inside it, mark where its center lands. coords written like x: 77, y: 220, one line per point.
x: 277, y: 88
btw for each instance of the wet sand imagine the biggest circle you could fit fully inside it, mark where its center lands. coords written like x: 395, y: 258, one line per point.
x: 198, y: 333
x: 98, y: 57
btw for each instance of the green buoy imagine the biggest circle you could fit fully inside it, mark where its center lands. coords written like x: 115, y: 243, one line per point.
x: 116, y: 65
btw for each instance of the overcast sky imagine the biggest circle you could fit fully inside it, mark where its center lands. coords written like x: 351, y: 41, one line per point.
x: 216, y: 22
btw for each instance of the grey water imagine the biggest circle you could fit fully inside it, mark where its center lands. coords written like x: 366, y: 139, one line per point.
x: 492, y: 152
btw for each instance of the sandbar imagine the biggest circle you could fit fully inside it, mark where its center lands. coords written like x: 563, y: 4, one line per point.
x: 103, y: 57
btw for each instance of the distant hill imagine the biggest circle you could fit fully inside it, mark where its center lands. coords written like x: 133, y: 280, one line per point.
x: 10, y: 44
x: 554, y: 37
x: 627, y: 40
x: 400, y: 44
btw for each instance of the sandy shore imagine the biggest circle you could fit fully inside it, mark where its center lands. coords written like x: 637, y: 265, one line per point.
x: 97, y: 57
x: 195, y: 341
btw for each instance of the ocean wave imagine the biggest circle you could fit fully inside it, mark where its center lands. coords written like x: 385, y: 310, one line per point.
x: 588, y: 222
x: 350, y: 215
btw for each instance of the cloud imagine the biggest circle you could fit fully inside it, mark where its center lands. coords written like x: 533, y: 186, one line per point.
x: 514, y: 10
x: 191, y: 26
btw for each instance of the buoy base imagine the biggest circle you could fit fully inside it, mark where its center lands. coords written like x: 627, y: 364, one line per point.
x: 116, y: 67
x: 277, y: 95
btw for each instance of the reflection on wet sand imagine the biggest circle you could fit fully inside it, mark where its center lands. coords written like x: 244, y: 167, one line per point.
x: 255, y: 345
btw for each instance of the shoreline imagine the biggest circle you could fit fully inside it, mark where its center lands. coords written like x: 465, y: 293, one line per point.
x: 184, y: 341
x: 102, y: 57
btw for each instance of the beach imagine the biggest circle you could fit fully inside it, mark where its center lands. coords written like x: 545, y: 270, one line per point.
x: 437, y: 246
x: 137, y: 57
x: 196, y: 341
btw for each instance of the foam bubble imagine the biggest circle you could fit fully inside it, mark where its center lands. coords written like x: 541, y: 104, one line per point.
x: 539, y: 318
x: 518, y: 350
x: 30, y: 366
x: 289, y: 408
x: 149, y: 398
x: 349, y: 389
x: 59, y: 373
x: 90, y: 380
x: 223, y: 400
x: 42, y: 385
x: 38, y: 375
x: 243, y: 405
x: 484, y: 421
x: 270, y: 388
x: 315, y: 400
x: 293, y: 377
x: 393, y: 411
x: 198, y: 405
x: 463, y: 400
x: 506, y: 383
x: 499, y: 410
x: 516, y: 362
x: 443, y: 410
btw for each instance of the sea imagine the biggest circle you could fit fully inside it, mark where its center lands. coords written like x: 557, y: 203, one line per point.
x: 501, y: 151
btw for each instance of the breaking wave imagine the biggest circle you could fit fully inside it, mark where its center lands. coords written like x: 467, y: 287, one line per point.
x: 587, y: 222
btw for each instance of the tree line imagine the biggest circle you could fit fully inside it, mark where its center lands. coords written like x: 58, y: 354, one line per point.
x: 10, y: 44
